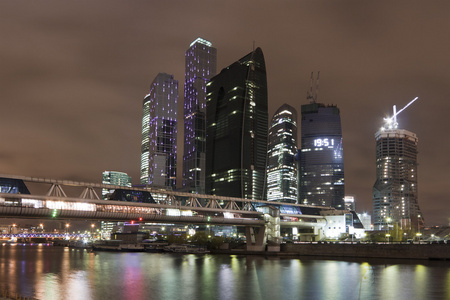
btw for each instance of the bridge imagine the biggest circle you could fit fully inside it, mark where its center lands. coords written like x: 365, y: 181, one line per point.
x: 261, y: 219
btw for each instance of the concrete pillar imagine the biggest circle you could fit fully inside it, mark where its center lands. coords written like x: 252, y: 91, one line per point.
x: 255, y: 241
x: 273, y: 229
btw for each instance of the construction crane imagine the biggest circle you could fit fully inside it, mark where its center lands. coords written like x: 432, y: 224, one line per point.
x: 309, y: 94
x: 392, y: 121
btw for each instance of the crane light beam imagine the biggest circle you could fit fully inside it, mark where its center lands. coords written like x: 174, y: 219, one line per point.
x: 392, y: 121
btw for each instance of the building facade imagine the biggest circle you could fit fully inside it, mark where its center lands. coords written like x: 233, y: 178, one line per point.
x: 114, y: 178
x: 237, y: 126
x: 395, y: 197
x: 159, y: 133
x: 321, y: 158
x: 350, y: 203
x: 200, y: 67
x: 281, y: 163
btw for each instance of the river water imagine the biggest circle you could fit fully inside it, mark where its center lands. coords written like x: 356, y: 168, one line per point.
x: 48, y: 272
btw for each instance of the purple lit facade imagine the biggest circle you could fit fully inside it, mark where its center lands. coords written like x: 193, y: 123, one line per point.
x: 200, y: 67
x: 159, y: 133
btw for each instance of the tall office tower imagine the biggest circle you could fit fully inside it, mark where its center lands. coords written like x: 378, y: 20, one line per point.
x: 321, y: 159
x: 299, y: 179
x: 200, y: 67
x: 395, y: 189
x: 159, y: 133
x: 114, y: 178
x: 350, y: 202
x: 282, y: 166
x: 236, y: 133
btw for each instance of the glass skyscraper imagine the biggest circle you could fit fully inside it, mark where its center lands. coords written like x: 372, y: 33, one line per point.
x: 159, y: 133
x: 200, y: 67
x: 282, y: 167
x: 114, y: 178
x: 321, y: 158
x: 237, y: 126
x: 395, y: 189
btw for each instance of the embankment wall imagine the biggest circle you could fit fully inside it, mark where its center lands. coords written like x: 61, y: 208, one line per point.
x: 407, y: 251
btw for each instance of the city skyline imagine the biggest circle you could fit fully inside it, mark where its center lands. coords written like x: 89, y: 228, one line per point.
x: 83, y: 78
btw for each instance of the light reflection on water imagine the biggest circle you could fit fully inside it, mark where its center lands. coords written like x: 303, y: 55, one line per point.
x: 63, y: 273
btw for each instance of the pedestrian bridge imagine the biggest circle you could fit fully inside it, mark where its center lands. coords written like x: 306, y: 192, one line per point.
x: 63, y: 208
x: 162, y: 206
x: 146, y: 204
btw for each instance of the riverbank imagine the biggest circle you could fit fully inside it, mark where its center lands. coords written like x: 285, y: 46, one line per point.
x: 355, y: 250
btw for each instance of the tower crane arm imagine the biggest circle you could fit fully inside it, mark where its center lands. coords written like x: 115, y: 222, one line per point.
x: 411, y: 102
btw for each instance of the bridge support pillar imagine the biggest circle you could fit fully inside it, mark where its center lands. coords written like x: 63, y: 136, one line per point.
x: 272, y: 218
x: 267, y: 238
x: 256, y: 241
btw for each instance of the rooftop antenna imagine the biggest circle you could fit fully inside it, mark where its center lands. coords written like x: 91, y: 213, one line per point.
x: 392, y: 121
x: 254, y: 45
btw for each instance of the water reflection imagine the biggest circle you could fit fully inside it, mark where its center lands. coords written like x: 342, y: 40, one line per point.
x: 63, y: 273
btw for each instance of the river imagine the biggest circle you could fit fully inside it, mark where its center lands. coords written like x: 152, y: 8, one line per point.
x: 50, y: 272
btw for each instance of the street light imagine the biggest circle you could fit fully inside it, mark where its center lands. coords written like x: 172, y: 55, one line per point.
x: 67, y: 227
x: 418, y: 236
x: 388, y: 219
x: 418, y: 225
x: 11, y: 228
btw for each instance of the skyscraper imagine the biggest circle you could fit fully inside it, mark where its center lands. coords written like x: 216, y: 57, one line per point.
x: 282, y: 167
x: 200, y: 67
x: 236, y: 134
x: 159, y: 133
x: 395, y: 189
x: 321, y: 159
x: 114, y: 178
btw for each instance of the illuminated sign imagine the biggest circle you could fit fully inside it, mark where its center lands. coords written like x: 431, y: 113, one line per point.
x: 325, y: 142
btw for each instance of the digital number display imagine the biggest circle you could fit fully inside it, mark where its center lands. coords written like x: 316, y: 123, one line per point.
x: 324, y: 142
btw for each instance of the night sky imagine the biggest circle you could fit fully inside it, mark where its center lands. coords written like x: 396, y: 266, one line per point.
x: 73, y: 76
